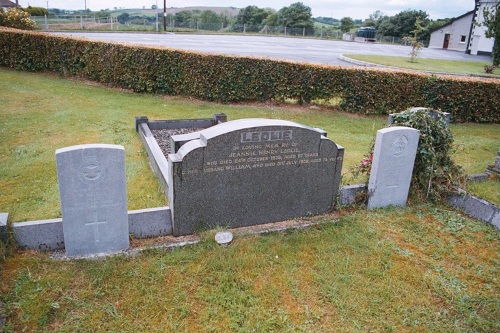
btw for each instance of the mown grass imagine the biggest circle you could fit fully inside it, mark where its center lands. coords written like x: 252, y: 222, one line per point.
x: 41, y: 113
x: 432, y: 65
x: 425, y: 269
x: 488, y: 190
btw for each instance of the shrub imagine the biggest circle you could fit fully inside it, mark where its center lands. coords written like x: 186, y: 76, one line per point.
x: 17, y: 18
x: 237, y: 79
x: 435, y: 175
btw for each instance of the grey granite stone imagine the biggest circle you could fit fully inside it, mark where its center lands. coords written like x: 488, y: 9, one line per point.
x: 434, y: 114
x: 392, y: 166
x: 476, y: 207
x: 93, y: 198
x: 252, y: 171
x: 4, y: 233
x: 44, y: 235
x: 353, y: 194
x: 150, y: 222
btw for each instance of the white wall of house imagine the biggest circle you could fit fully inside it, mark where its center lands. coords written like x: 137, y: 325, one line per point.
x: 457, y: 32
x: 479, y: 44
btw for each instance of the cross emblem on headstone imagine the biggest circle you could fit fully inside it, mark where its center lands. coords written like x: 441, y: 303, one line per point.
x: 95, y: 225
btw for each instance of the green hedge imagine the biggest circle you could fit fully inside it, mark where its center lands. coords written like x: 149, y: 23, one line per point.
x: 238, y: 79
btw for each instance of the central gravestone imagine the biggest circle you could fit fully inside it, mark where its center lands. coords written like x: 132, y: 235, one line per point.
x: 251, y: 171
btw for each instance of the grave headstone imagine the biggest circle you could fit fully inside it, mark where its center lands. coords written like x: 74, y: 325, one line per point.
x: 445, y: 116
x: 495, y: 168
x: 252, y: 171
x: 93, y: 198
x: 392, y: 166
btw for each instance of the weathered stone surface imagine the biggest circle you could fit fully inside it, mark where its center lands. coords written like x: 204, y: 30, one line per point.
x: 43, y: 235
x: 4, y: 235
x: 434, y: 114
x: 353, y: 194
x: 476, y: 208
x: 252, y: 171
x: 392, y: 166
x: 223, y: 237
x: 151, y: 222
x: 93, y: 198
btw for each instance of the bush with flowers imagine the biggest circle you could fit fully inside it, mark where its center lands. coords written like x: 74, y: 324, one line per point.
x: 16, y: 18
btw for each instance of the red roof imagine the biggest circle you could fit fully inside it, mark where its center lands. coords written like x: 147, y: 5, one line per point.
x: 7, y: 3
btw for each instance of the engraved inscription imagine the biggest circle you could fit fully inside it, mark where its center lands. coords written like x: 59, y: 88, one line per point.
x: 95, y: 225
x: 91, y: 171
x: 260, y: 150
x: 399, y: 145
x: 261, y: 136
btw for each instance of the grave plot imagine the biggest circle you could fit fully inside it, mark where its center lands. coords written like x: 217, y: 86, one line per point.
x: 248, y: 172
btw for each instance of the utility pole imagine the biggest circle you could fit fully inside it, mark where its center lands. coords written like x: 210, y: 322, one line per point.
x: 156, y: 14
x: 164, y: 15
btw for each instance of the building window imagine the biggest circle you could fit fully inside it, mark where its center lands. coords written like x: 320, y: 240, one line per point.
x: 462, y: 39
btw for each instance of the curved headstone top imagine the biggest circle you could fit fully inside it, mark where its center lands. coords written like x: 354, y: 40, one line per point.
x: 238, y: 125
x: 252, y: 171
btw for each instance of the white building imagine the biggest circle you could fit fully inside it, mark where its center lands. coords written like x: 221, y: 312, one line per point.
x: 454, y: 35
x: 466, y: 33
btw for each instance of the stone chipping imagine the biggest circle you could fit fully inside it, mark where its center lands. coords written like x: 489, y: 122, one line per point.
x: 162, y: 136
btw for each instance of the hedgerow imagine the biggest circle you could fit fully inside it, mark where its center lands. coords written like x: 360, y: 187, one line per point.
x: 238, y: 79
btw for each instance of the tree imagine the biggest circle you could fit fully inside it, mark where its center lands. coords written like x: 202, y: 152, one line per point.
x: 374, y: 19
x: 209, y: 16
x: 416, y: 45
x: 492, y: 23
x: 16, y: 18
x: 36, y: 11
x: 253, y: 16
x: 297, y: 15
x: 123, y: 18
x: 402, y: 24
x: 346, y: 24
x: 154, y: 7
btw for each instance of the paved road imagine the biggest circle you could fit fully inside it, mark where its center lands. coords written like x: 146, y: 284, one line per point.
x: 296, y: 49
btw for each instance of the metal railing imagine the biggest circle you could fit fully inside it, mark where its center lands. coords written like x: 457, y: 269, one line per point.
x: 93, y: 23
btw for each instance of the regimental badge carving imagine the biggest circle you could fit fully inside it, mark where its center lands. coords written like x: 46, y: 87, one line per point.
x: 91, y: 171
x: 399, y: 145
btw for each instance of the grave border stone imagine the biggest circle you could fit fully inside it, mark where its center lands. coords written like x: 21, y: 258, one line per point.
x: 157, y: 159
x: 434, y: 114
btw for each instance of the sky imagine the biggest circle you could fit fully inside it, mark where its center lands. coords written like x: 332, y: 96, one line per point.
x: 356, y: 9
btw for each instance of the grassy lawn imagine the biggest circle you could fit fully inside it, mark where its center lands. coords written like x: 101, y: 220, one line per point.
x: 432, y: 65
x: 419, y: 269
x: 488, y: 190
x: 423, y: 268
x: 42, y: 113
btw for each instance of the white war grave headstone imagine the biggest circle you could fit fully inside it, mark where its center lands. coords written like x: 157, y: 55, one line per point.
x: 392, y: 166
x: 93, y: 195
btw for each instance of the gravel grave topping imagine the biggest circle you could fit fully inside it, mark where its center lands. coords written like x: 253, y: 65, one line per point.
x: 162, y: 136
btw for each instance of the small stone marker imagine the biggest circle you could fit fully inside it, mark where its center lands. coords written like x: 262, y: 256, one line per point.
x: 392, y: 166
x: 495, y: 168
x: 224, y: 237
x: 4, y: 236
x: 93, y: 198
x: 252, y: 171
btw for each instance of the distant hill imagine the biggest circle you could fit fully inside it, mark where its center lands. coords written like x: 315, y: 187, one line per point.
x: 229, y: 11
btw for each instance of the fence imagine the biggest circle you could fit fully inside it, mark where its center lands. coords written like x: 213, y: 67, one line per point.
x: 90, y: 23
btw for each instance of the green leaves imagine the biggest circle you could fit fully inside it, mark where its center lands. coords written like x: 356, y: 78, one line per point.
x: 230, y: 79
x: 435, y: 175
